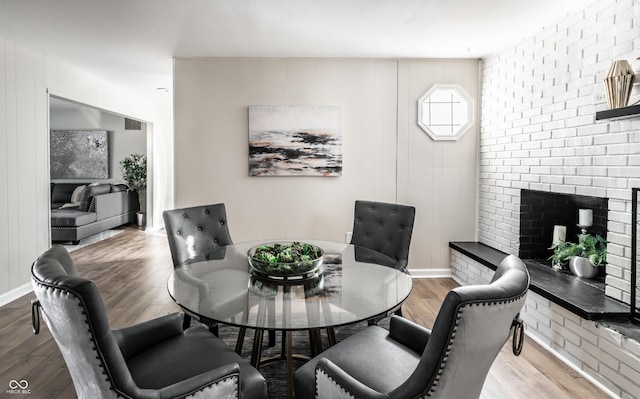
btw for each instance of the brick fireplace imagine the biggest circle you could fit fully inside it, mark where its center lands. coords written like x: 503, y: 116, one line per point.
x: 540, y: 211
x: 538, y: 132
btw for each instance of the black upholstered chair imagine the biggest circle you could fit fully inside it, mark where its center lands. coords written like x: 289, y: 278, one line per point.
x: 153, y: 359
x: 385, y: 228
x: 409, y: 361
x: 195, y: 231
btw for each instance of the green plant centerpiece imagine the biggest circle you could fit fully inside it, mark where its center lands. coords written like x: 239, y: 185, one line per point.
x: 285, y: 259
x: 588, y: 251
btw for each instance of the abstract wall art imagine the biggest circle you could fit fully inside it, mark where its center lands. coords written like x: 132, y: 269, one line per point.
x: 295, y: 140
x: 79, y: 154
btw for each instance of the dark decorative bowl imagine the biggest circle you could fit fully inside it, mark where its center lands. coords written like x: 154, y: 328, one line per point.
x: 271, y: 286
x: 285, y: 259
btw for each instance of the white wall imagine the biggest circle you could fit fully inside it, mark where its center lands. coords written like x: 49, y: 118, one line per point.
x: 122, y: 142
x: 386, y: 156
x: 539, y: 100
x: 438, y: 177
x: 25, y: 77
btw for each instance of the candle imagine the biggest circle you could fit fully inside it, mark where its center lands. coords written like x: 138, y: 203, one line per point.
x: 559, y: 234
x: 585, y: 217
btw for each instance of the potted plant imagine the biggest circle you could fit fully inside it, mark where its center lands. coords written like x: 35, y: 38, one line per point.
x: 583, y: 257
x: 134, y: 173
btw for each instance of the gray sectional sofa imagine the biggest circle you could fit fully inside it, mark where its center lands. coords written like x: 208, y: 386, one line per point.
x: 100, y: 207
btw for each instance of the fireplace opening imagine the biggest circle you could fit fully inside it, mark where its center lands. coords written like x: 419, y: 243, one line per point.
x: 540, y: 211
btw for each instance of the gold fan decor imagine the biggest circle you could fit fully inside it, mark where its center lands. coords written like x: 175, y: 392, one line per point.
x: 618, y: 84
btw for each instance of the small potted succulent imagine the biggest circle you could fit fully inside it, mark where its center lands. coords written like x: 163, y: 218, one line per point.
x: 583, y: 257
x: 134, y: 173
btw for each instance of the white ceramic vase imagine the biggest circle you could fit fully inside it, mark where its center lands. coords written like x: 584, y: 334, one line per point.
x: 582, y: 267
x: 140, y: 219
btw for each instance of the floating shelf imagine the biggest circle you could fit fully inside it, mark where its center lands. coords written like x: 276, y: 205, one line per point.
x: 632, y: 111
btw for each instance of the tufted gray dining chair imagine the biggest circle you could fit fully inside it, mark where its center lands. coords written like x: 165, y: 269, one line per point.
x: 152, y: 359
x: 195, y: 231
x: 385, y: 228
x: 410, y: 361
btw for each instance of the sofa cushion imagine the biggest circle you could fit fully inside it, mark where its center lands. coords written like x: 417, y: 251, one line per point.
x: 77, y: 194
x: 61, y: 192
x: 115, y: 188
x: 91, y: 191
x: 71, y: 217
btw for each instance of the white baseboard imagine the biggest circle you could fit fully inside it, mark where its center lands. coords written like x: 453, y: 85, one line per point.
x: 15, y: 294
x: 564, y: 360
x: 430, y: 273
x: 457, y: 279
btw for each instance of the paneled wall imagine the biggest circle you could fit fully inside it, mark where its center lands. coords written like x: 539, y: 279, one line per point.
x: 24, y: 177
x: 439, y: 177
x: 539, y: 100
x: 25, y: 78
x: 386, y: 156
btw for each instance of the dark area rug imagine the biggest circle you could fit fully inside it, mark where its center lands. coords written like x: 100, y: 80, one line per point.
x: 275, y: 372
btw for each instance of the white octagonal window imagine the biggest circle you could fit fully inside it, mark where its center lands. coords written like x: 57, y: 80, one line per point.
x: 445, y: 112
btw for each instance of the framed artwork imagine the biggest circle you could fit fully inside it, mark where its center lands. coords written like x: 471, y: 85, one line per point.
x: 79, y: 154
x: 289, y: 140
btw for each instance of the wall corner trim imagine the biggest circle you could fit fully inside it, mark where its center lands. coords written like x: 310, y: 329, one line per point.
x: 430, y: 273
x: 15, y: 294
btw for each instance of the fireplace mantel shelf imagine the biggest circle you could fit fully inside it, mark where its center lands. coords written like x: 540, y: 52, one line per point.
x: 572, y: 293
x: 632, y: 111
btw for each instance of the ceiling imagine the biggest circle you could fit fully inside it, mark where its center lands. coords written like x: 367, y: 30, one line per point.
x: 135, y: 40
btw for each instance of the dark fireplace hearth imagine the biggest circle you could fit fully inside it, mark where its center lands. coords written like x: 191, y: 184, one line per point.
x: 540, y: 211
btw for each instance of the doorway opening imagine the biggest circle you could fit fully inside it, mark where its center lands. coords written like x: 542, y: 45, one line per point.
x: 99, y: 162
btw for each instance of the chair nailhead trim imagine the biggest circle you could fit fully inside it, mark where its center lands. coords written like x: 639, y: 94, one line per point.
x: 342, y: 388
x: 91, y: 337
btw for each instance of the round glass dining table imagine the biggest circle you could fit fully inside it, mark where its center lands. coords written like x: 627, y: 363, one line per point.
x: 353, y: 284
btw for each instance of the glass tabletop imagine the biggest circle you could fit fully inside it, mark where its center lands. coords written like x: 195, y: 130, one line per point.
x: 353, y: 284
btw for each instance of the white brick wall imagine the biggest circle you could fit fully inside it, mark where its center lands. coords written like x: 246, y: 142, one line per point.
x: 538, y: 129
x: 601, y: 354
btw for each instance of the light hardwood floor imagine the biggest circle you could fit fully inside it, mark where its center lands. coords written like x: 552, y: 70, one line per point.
x: 130, y: 271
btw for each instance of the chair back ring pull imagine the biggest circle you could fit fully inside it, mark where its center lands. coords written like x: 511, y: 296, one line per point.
x: 518, y: 335
x: 35, y: 316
